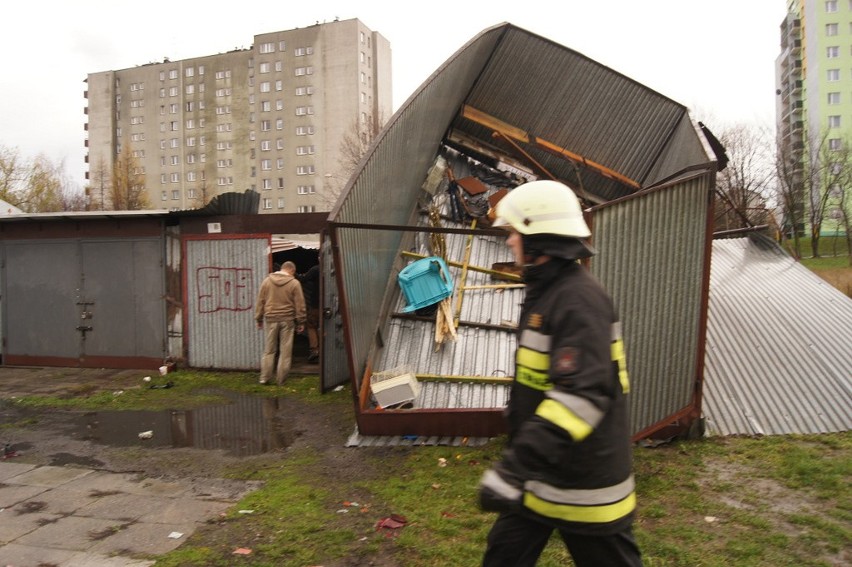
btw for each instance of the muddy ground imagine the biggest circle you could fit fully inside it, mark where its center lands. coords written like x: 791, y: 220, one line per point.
x: 64, y: 437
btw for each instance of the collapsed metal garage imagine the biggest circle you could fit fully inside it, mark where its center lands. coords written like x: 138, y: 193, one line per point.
x: 510, y: 106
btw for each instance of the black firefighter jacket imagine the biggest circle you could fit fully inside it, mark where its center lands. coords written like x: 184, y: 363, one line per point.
x: 568, y: 462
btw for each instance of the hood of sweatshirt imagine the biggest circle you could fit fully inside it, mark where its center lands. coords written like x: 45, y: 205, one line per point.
x: 280, y: 278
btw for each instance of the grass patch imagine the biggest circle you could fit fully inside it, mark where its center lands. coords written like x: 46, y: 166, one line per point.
x: 188, y: 389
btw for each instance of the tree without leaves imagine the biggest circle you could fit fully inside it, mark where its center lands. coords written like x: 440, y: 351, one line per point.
x: 744, y: 186
x: 355, y: 142
x: 127, y: 190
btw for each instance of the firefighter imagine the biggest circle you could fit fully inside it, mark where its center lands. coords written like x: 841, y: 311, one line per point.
x: 568, y: 460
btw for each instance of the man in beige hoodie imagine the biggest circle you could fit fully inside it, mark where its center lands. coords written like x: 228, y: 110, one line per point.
x: 280, y: 307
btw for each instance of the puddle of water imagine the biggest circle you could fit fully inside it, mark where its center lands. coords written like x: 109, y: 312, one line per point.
x: 247, y: 425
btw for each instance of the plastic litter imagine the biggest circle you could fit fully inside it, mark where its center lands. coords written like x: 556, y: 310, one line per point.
x: 146, y: 435
x: 176, y: 535
x: 242, y: 551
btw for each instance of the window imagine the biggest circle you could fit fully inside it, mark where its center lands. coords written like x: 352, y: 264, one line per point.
x: 833, y: 75
x: 175, y: 177
x: 832, y: 52
x: 267, y: 47
x: 265, y: 105
x: 265, y: 125
x: 830, y: 29
x: 264, y: 67
x: 190, y: 106
x: 281, y: 183
x: 164, y: 195
x: 305, y: 170
x: 190, y: 123
x: 831, y: 6
x: 190, y: 176
x: 302, y: 71
x: 189, y: 71
x: 175, y: 194
x: 173, y: 108
x: 363, y: 78
x: 279, y: 104
x: 190, y: 141
x: 267, y: 203
x: 224, y: 162
x: 173, y: 73
x: 279, y: 163
x: 223, y: 74
x: 266, y: 184
x: 265, y: 146
x: 190, y: 193
x: 190, y: 89
x: 265, y: 87
x: 279, y: 85
x: 175, y: 160
x: 834, y: 144
x: 163, y: 178
x: 163, y: 93
x: 225, y: 109
x: 279, y: 66
x: 190, y: 158
x: 302, y: 91
x: 306, y: 209
x: 281, y: 45
x: 162, y: 75
x: 304, y: 110
x: 280, y: 202
x: 302, y: 51
x: 833, y: 98
x: 304, y: 130
x: 279, y: 124
x: 173, y: 91
x: 834, y: 121
x: 279, y: 144
x: 304, y: 150
x: 265, y: 164
x: 363, y: 57
x: 174, y: 143
x: 305, y: 190
x: 224, y: 145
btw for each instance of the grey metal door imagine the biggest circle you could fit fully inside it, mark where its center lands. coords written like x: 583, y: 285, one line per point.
x: 85, y: 302
x: 223, y: 276
x: 335, y: 368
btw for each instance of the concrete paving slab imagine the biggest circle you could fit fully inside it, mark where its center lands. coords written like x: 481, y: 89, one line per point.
x: 10, y: 495
x: 99, y: 560
x: 59, y: 501
x: 144, y: 538
x: 18, y: 555
x: 105, y: 483
x: 179, y: 509
x: 13, y: 526
x: 124, y: 507
x: 72, y: 533
x: 9, y: 469
x: 48, y: 476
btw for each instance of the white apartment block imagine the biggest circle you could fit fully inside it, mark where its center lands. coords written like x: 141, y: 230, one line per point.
x: 271, y: 118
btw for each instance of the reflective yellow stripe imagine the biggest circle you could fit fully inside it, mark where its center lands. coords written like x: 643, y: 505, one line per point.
x: 533, y: 359
x: 533, y: 379
x: 561, y: 416
x: 587, y: 514
x: 617, y: 353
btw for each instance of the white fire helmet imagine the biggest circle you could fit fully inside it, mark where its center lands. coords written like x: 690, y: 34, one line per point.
x: 542, y: 207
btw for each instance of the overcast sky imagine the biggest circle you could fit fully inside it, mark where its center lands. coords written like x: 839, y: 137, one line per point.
x: 715, y: 56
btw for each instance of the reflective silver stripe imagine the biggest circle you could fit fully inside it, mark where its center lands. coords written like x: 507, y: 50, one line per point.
x: 535, y: 340
x: 581, y: 407
x: 528, y: 219
x: 579, y: 496
x: 616, y: 331
x: 496, y: 483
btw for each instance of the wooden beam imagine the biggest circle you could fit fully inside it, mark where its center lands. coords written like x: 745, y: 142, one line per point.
x: 516, y: 133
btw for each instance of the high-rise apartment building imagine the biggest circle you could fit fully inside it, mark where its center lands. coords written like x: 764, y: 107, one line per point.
x: 271, y: 118
x: 814, y: 98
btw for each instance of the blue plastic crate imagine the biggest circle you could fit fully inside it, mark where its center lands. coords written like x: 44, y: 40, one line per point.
x: 425, y: 282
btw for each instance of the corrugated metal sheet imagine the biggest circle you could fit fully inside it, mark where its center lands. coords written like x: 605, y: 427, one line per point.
x: 779, y: 357
x: 651, y: 257
x: 223, y: 276
x: 386, y: 189
x: 562, y: 97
